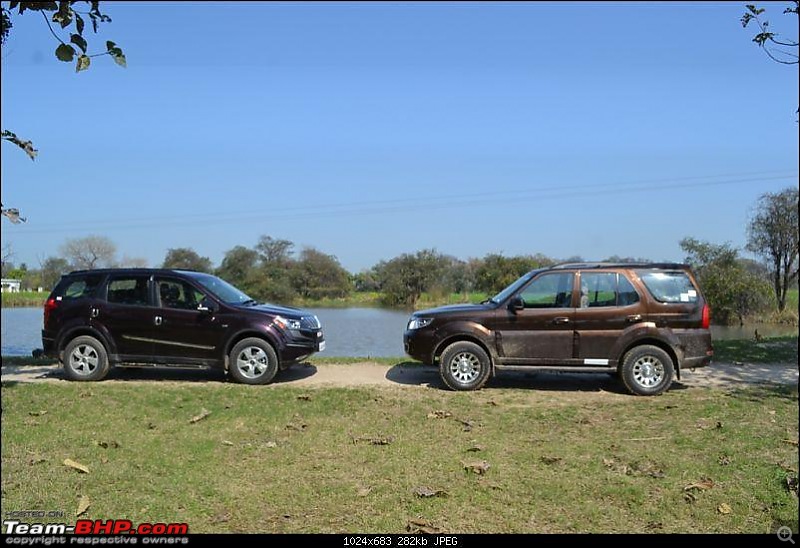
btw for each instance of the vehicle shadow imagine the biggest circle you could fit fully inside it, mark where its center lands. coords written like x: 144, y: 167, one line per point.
x: 166, y: 373
x: 411, y: 373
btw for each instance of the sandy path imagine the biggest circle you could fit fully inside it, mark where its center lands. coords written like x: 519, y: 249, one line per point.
x: 373, y: 374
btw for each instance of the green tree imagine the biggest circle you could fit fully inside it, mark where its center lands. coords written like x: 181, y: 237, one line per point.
x: 186, y: 258
x: 497, y: 271
x: 89, y: 252
x: 274, y: 251
x: 773, y: 234
x: 236, y: 266
x: 733, y: 292
x: 404, y: 278
x: 317, y: 275
x: 51, y: 270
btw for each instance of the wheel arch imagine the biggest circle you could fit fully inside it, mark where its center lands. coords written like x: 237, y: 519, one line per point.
x: 663, y: 345
x: 463, y: 337
x: 79, y: 331
x: 247, y: 334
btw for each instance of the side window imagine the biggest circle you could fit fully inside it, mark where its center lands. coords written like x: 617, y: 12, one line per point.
x: 626, y: 293
x: 78, y: 288
x: 598, y: 289
x: 178, y: 294
x: 670, y: 287
x: 130, y: 290
x: 606, y: 289
x: 549, y: 291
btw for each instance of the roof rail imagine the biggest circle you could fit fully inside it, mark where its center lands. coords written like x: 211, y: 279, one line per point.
x: 587, y: 265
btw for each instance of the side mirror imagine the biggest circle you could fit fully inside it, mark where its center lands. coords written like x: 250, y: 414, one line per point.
x: 516, y: 303
x: 207, y: 305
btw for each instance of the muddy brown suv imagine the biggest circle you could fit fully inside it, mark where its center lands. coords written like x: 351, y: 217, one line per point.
x: 644, y: 322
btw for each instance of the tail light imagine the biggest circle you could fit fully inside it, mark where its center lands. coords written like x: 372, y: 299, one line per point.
x: 706, y: 321
x: 50, y: 305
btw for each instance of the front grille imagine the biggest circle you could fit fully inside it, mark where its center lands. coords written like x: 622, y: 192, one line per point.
x: 309, y: 322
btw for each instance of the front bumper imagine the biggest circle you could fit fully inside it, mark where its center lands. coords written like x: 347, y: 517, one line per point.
x: 420, y: 344
x: 301, y: 344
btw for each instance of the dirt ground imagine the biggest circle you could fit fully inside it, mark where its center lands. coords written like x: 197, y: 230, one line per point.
x: 413, y: 376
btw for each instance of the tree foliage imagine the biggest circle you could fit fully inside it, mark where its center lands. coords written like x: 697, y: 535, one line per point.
x: 186, y: 258
x: 732, y: 290
x: 773, y: 235
x: 497, y: 271
x: 404, y: 278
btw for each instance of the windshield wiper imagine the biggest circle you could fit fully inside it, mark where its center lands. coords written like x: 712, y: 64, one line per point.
x: 250, y: 302
x: 489, y: 300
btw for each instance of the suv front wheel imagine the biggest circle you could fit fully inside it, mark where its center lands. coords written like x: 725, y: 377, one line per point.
x: 253, y: 361
x: 85, y: 359
x: 464, y: 366
x: 647, y: 370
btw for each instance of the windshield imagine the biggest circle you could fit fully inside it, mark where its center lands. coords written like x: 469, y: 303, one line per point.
x: 220, y: 288
x: 511, y: 289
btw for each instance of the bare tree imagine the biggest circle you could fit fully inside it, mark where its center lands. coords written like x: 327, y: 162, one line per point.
x: 773, y: 234
x: 89, y: 252
x: 8, y: 254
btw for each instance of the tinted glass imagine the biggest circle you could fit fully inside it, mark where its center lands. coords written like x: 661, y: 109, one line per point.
x: 598, y: 289
x: 670, y: 287
x: 626, y: 294
x: 549, y: 291
x: 178, y: 294
x: 77, y: 288
x: 222, y: 289
x: 130, y: 290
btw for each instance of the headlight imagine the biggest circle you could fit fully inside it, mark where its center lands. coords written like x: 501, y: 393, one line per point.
x: 417, y: 323
x: 287, y: 324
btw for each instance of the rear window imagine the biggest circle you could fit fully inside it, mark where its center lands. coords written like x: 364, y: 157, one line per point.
x: 77, y: 288
x: 670, y: 287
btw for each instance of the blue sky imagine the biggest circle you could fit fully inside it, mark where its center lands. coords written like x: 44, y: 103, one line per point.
x: 369, y: 130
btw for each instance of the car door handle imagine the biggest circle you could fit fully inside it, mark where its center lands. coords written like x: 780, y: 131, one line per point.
x: 633, y: 318
x: 561, y: 320
x: 158, y: 320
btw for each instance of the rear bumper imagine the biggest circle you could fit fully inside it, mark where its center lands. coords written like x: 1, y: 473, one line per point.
x: 701, y: 361
x: 49, y: 348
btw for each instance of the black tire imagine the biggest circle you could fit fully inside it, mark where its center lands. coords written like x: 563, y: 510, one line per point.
x: 85, y: 359
x: 647, y: 370
x: 465, y: 366
x: 253, y: 361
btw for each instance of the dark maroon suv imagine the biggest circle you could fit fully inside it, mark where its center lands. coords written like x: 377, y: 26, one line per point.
x: 644, y: 322
x: 97, y: 318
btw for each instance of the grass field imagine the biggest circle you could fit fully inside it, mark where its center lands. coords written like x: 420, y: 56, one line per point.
x: 281, y: 459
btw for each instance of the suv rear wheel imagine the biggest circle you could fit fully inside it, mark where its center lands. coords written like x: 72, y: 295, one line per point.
x: 253, y: 361
x: 464, y: 366
x: 647, y: 370
x: 85, y: 359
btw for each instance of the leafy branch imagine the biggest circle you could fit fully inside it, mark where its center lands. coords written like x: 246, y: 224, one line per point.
x: 766, y: 37
x: 65, y: 16
x: 26, y: 146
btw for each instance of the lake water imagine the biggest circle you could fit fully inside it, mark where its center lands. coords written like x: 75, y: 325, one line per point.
x: 372, y: 332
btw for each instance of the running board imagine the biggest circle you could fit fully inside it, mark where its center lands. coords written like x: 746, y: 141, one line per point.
x: 558, y: 368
